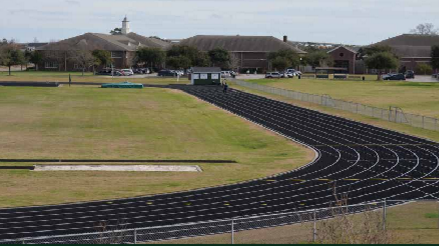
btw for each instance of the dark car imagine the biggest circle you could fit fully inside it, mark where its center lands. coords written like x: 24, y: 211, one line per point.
x: 410, y: 74
x: 104, y: 72
x: 165, y: 73
x: 141, y: 70
x: 394, y: 76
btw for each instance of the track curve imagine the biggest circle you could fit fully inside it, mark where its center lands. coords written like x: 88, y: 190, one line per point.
x: 364, y: 162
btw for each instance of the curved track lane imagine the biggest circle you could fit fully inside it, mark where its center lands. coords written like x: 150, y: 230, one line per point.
x: 364, y: 162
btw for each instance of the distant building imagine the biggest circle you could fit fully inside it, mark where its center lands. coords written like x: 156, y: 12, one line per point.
x: 33, y: 46
x: 344, y: 57
x: 248, y: 52
x: 412, y: 49
x: 122, y: 48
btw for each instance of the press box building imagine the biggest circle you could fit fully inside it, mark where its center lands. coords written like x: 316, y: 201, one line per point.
x: 206, y: 76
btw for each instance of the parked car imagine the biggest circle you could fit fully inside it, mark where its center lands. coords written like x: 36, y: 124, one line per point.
x: 434, y: 76
x: 394, y: 76
x: 225, y: 74
x: 409, y: 74
x: 104, y: 72
x: 179, y: 72
x: 118, y: 73
x: 289, y: 74
x: 271, y: 75
x: 167, y: 73
x: 127, y: 72
x: 141, y: 70
x: 294, y: 72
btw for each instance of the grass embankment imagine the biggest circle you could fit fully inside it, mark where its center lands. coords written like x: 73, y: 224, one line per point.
x: 433, y: 135
x: 94, y: 123
x: 414, y: 223
x: 44, y: 76
x: 412, y: 97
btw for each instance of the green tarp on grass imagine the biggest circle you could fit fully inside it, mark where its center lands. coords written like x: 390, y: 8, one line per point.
x: 123, y: 85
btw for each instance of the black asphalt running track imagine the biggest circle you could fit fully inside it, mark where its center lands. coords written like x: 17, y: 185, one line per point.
x: 366, y: 163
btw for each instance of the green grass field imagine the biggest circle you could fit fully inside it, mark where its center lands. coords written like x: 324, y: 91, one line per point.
x: 43, y: 76
x: 407, y: 224
x: 412, y: 97
x: 95, y: 123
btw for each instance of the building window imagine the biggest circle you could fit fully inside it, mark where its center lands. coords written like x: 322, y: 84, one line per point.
x: 50, y: 64
x: 341, y: 54
x: 116, y: 54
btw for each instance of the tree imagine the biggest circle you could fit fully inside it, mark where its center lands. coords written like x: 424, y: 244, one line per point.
x: 11, y: 55
x: 36, y: 58
x: 152, y: 57
x: 425, y: 29
x: 102, y: 57
x: 235, y: 62
x: 291, y: 56
x: 83, y: 58
x: 381, y: 60
x: 196, y: 57
x: 424, y: 68
x: 116, y: 31
x: 435, y: 57
x: 179, y: 62
x: 318, y: 58
x: 219, y: 57
x: 280, y: 63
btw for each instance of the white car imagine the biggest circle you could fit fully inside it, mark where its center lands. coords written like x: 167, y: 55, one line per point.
x: 294, y: 72
x: 271, y: 75
x: 225, y: 74
x: 127, y: 72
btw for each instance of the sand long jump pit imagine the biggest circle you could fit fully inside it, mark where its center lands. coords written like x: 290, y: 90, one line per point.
x: 119, y: 168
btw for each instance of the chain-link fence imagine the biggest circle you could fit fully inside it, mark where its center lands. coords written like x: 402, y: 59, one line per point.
x: 235, y: 228
x: 393, y: 114
x: 317, y: 225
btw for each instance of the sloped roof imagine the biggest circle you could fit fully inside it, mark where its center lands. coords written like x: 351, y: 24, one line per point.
x: 347, y: 48
x: 411, y: 45
x: 149, y: 42
x: 239, y: 43
x: 99, y: 41
x: 206, y: 70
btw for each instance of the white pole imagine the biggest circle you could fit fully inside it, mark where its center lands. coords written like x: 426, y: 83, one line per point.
x: 135, y: 236
x: 384, y: 214
x: 314, y: 230
x: 233, y: 232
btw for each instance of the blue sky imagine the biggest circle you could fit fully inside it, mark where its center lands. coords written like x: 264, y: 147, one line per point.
x: 359, y: 22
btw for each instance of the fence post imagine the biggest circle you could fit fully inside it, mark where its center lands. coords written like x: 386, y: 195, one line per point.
x: 135, y: 236
x: 384, y: 213
x: 435, y: 124
x: 314, y: 229
x: 233, y: 232
x: 423, y: 122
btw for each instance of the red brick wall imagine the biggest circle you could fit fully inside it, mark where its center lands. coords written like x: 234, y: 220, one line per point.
x: 342, y: 54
